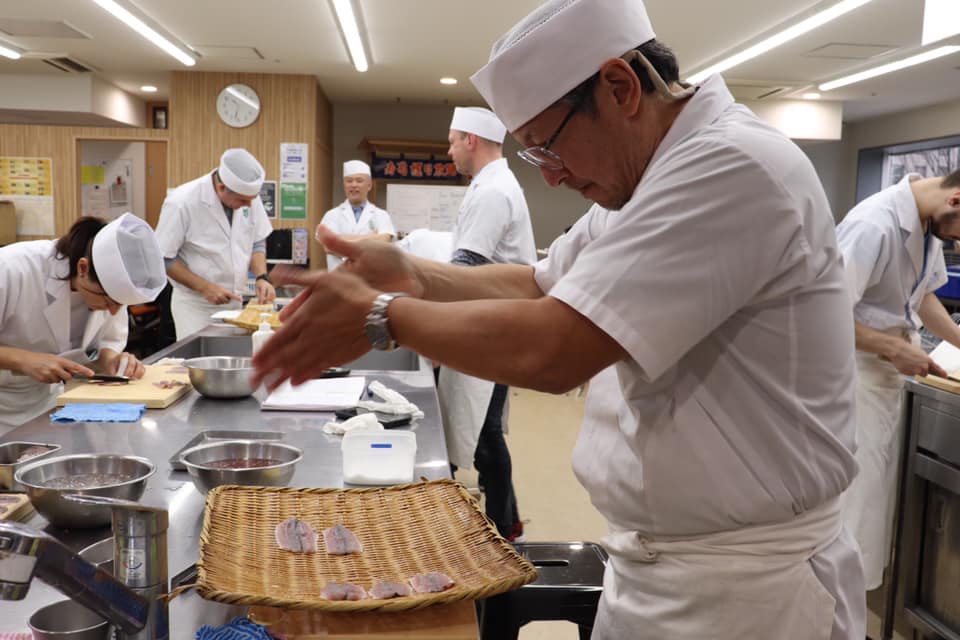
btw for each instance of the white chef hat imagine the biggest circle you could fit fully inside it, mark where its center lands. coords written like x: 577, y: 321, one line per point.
x: 355, y: 168
x: 240, y: 172
x: 555, y: 48
x: 128, y: 260
x: 479, y: 121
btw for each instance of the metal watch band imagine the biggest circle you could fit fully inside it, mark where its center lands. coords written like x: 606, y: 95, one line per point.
x: 377, y: 327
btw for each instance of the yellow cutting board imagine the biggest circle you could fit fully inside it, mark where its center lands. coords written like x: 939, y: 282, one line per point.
x: 940, y: 383
x: 142, y: 391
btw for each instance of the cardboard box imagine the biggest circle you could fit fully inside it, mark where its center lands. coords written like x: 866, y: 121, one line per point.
x: 8, y: 222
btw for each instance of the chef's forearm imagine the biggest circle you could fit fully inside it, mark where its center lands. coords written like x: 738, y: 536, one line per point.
x: 258, y: 263
x: 874, y: 341
x: 446, y: 282
x: 936, y: 319
x: 11, y: 358
x: 179, y: 272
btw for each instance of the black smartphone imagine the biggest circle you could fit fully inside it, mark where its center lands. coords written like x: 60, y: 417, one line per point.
x: 388, y: 420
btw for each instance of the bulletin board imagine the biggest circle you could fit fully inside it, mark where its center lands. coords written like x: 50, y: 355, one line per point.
x: 424, y: 206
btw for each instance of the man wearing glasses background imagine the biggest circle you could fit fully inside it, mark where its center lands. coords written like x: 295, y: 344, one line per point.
x: 493, y: 227
x: 703, y: 297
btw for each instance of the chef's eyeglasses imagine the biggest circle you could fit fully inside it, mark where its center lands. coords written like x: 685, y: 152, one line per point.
x: 540, y: 155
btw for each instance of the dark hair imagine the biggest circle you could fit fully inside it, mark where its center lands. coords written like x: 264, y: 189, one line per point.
x: 660, y: 56
x: 951, y: 181
x: 78, y: 243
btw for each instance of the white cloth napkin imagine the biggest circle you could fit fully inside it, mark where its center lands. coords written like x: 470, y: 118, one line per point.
x: 362, y: 422
x: 392, y: 401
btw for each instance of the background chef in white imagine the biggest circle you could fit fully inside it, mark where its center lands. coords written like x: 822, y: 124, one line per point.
x: 63, y: 309
x: 213, y: 231
x: 892, y: 246
x: 719, y: 433
x: 493, y: 226
x: 356, y: 217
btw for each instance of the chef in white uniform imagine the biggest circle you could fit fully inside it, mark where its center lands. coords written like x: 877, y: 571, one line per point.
x: 356, y: 217
x: 892, y: 246
x: 213, y: 232
x: 493, y: 226
x: 63, y: 309
x: 704, y: 286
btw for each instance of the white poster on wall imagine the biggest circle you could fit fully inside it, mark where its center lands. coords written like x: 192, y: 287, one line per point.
x: 294, y: 162
x: 424, y: 206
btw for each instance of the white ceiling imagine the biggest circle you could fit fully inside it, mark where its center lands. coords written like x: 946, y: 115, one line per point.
x: 412, y: 43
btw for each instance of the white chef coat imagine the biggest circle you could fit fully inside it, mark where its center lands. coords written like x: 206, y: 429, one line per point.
x: 493, y: 219
x: 733, y: 411
x: 425, y: 243
x: 35, y: 315
x: 341, y: 220
x: 883, y: 247
x: 194, y: 229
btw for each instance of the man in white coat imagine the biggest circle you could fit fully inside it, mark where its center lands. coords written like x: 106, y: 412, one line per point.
x: 63, y: 309
x: 718, y: 434
x: 892, y: 246
x: 492, y: 227
x: 356, y: 217
x: 213, y: 232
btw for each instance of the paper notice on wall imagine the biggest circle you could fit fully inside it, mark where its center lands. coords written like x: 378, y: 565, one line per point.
x: 34, y: 215
x: 92, y: 174
x: 95, y: 201
x: 28, y: 183
x: 416, y: 206
x: 294, y: 162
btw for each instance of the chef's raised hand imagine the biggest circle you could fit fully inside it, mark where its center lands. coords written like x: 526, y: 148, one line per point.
x: 382, y: 265
x: 911, y: 360
x: 322, y: 327
x: 47, y: 367
x: 111, y: 361
x: 266, y: 292
x: 215, y: 294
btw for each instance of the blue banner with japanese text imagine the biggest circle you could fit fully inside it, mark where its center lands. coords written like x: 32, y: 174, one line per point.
x: 397, y: 167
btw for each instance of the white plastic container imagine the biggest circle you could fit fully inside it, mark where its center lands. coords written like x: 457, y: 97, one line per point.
x: 263, y: 333
x: 378, y: 457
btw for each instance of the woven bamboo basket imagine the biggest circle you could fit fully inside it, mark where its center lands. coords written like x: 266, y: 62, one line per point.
x: 249, y: 318
x: 405, y: 531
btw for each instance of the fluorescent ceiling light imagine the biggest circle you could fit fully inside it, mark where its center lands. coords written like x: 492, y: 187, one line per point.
x: 920, y: 58
x: 448, y: 81
x: 779, y: 38
x: 147, y: 32
x: 351, y: 33
x: 148, y: 88
x: 941, y: 19
x: 811, y: 96
x: 7, y: 52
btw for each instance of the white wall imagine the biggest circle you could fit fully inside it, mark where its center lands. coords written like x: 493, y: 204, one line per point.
x: 828, y: 159
x: 75, y: 94
x: 551, y: 210
x: 112, y: 156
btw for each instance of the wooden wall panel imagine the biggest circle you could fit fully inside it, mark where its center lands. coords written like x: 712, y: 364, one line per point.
x: 60, y: 144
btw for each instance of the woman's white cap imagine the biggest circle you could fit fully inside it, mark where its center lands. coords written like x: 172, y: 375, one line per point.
x: 128, y: 261
x: 355, y: 168
x: 240, y: 172
x: 479, y: 121
x: 555, y: 48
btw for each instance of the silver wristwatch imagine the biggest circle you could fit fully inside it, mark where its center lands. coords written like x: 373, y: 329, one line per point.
x: 377, y: 327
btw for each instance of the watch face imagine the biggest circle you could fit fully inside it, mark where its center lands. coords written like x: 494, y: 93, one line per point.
x: 238, y: 105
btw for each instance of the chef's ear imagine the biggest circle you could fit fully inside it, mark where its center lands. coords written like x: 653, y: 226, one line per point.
x: 83, y: 266
x: 954, y: 200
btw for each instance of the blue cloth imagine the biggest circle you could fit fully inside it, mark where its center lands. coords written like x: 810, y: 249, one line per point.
x: 239, y: 628
x: 113, y: 412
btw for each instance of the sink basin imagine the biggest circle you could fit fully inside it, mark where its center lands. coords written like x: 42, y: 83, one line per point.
x: 242, y: 346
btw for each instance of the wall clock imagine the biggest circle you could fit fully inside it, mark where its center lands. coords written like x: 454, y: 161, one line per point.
x: 238, y: 105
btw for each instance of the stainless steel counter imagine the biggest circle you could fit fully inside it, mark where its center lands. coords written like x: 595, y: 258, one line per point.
x: 162, y: 432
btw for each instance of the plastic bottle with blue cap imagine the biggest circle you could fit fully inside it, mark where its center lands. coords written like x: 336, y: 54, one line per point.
x: 263, y: 333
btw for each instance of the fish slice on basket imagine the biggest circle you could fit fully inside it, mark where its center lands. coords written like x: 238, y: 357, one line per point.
x: 296, y: 535
x: 340, y: 541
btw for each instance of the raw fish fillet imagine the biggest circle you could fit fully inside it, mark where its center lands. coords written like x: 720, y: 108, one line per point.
x: 340, y: 541
x: 390, y: 590
x: 433, y: 582
x: 296, y: 535
x: 345, y: 591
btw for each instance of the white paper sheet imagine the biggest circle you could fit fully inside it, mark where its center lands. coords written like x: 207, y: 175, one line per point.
x: 325, y: 394
x: 947, y: 356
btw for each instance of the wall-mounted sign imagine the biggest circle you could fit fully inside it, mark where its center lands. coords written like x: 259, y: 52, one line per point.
x: 397, y: 167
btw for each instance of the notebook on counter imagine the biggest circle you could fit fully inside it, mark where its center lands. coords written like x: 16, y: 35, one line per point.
x: 947, y: 356
x: 325, y: 394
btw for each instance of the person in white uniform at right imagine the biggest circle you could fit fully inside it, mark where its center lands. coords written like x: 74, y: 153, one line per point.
x: 703, y: 293
x: 213, y: 232
x: 492, y: 227
x: 892, y: 246
x: 63, y: 309
x: 356, y: 217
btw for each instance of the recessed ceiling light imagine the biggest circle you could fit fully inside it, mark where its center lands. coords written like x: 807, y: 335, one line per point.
x: 448, y: 81
x: 811, y: 96
x: 148, y: 88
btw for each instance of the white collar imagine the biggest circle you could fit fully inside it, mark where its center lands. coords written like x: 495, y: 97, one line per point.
x: 711, y: 99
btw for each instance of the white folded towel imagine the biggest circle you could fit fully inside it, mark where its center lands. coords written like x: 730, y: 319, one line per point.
x: 361, y: 422
x: 392, y: 402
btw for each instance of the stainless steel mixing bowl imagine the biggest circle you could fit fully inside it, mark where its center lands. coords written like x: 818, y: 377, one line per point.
x: 221, y: 376
x: 49, y: 501
x: 67, y: 620
x: 197, y: 461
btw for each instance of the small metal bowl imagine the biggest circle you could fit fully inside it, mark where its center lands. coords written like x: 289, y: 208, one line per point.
x: 205, y: 477
x: 221, y: 376
x: 10, y: 452
x: 100, y: 554
x: 67, y: 620
x: 50, y: 503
